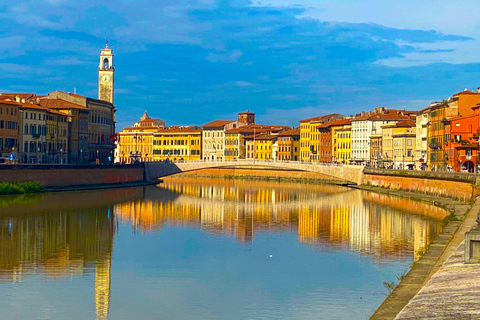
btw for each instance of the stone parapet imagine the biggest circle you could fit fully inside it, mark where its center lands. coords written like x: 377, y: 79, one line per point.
x: 72, y: 175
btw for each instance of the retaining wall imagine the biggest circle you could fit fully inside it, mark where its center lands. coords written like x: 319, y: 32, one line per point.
x: 72, y: 175
x: 463, y: 186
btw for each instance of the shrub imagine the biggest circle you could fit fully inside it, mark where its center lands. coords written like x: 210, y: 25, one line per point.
x: 30, y: 186
x: 9, y: 188
x: 20, y: 187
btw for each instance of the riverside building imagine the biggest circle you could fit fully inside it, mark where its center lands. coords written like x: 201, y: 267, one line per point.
x: 64, y: 127
x: 367, y: 124
x: 310, y: 137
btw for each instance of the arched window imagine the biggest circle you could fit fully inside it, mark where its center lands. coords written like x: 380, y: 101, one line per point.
x: 105, y: 63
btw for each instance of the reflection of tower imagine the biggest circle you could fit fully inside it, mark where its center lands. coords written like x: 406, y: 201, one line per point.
x: 102, y: 287
x: 244, y: 225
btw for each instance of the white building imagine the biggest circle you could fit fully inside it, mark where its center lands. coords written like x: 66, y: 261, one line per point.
x: 371, y: 124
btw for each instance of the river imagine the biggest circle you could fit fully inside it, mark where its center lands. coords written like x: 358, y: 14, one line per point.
x: 207, y: 249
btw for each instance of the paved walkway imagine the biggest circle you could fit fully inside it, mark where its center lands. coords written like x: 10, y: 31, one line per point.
x: 437, y: 254
x: 453, y: 291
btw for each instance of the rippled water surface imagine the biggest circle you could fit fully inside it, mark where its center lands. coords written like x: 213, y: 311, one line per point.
x: 207, y: 249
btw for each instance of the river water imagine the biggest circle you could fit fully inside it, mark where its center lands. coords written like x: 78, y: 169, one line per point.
x: 207, y: 249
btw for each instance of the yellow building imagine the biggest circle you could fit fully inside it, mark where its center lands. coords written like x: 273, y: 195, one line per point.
x: 398, y: 144
x: 289, y: 145
x: 135, y: 144
x: 341, y: 139
x: 310, y: 136
x: 264, y: 145
x: 404, y: 144
x: 235, y: 142
x: 387, y: 145
x: 177, y: 143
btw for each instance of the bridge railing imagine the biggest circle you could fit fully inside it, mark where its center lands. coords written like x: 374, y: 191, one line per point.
x: 256, y: 161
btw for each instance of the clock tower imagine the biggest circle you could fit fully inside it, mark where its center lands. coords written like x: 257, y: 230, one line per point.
x: 105, y: 75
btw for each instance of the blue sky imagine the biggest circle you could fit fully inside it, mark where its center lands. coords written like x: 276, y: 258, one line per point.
x: 194, y: 61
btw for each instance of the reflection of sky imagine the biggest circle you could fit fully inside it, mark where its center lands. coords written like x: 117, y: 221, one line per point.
x: 186, y: 272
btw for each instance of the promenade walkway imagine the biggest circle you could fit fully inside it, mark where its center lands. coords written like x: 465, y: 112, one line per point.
x: 436, y: 256
x: 453, y: 291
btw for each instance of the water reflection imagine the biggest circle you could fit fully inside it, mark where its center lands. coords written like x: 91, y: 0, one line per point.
x: 326, y: 216
x: 63, y: 235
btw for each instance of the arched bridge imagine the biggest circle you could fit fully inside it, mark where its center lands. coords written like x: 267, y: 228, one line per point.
x: 347, y: 173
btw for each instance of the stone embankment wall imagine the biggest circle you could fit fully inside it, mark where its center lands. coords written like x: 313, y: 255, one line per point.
x: 71, y: 175
x: 464, y: 186
x: 256, y: 173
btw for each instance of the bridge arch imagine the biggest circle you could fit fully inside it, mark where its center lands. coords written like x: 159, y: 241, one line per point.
x: 348, y: 173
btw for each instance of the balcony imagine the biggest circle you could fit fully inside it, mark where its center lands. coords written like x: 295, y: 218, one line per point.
x: 36, y: 135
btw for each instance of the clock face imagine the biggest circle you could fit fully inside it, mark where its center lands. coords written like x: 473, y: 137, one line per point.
x: 105, y: 79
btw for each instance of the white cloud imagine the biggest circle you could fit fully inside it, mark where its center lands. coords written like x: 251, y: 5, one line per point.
x: 231, y: 57
x: 438, y: 52
x: 244, y: 84
x: 72, y: 61
x: 449, y: 17
x: 459, y: 17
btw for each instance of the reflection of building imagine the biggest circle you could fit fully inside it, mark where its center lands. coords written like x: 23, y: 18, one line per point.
x: 60, y: 245
x: 322, y: 215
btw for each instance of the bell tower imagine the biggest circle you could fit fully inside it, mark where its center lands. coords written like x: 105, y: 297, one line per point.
x: 106, y: 70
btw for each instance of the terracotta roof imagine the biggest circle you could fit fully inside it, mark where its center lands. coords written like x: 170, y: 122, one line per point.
x: 340, y: 122
x: 10, y: 102
x: 464, y: 92
x: 217, y: 123
x: 59, y: 104
x: 12, y: 96
x: 405, y: 123
x: 264, y: 136
x: 292, y: 132
x: 320, y: 118
x: 251, y: 128
x: 193, y: 129
x: 390, y: 115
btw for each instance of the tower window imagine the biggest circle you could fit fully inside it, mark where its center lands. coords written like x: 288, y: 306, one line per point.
x: 105, y: 63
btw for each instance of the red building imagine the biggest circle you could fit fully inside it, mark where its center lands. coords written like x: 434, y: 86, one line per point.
x: 461, y: 143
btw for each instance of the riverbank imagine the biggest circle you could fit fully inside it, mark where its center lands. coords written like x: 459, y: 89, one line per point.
x: 101, y: 186
x: 449, y: 240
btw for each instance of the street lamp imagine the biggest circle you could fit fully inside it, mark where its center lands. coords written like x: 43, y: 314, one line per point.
x: 98, y: 159
x: 61, y: 156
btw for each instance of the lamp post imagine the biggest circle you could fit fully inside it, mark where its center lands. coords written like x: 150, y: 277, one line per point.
x: 98, y: 155
x: 61, y: 156
x: 253, y: 145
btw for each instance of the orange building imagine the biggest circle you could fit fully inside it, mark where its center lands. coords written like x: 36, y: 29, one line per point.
x: 461, y: 143
x: 289, y: 145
